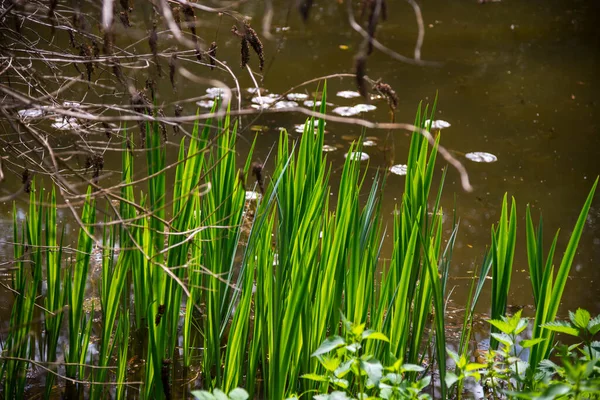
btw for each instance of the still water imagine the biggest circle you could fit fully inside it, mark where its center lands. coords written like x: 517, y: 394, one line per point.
x: 517, y: 79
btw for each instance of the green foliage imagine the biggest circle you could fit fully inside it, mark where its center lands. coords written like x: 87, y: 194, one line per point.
x: 269, y: 288
x: 217, y: 394
x: 351, y: 373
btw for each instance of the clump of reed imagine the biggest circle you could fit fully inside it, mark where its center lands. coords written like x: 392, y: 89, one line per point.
x: 248, y: 308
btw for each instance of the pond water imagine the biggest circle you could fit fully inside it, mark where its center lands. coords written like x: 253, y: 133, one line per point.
x: 516, y: 79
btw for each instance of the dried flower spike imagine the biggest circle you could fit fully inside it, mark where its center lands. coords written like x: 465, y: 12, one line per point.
x: 124, y: 15
x: 172, y: 67
x: 178, y: 111
x: 245, y: 52
x: 255, y: 42
x: 389, y: 93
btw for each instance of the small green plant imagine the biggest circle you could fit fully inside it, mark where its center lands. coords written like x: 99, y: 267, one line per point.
x: 463, y: 370
x: 353, y: 373
x: 217, y: 394
x: 507, y: 363
x: 577, y: 373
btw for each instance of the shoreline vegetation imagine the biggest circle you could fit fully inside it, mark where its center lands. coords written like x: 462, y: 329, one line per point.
x: 206, y: 292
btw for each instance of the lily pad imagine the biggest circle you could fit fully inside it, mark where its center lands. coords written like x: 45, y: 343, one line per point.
x: 31, y: 113
x: 399, y: 169
x: 481, y: 157
x: 297, y: 96
x: 357, y: 156
x: 345, y: 111
x: 437, y: 124
x: 65, y: 124
x: 205, y: 103
x: 269, y: 99
x: 348, y: 94
x: 364, y: 107
x: 251, y: 195
x: 214, y: 92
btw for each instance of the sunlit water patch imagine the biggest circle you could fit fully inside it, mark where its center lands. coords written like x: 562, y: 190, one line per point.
x: 327, y: 148
x: 481, y: 157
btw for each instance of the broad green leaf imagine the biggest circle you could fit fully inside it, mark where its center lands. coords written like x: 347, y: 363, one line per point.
x: 331, y: 343
x: 370, y: 334
x: 562, y: 327
x: 343, y: 369
x: 581, y: 318
x: 451, y: 379
x: 556, y: 390
x: 503, y: 326
x: 373, y: 369
x: 527, y: 343
x: 411, y: 368
x: 358, y: 330
x: 330, y: 363
x: 521, y: 325
x: 503, y: 338
x: 354, y: 347
x: 315, y: 377
x: 343, y: 383
x: 238, y: 394
x: 453, y: 355
x: 203, y: 395
x: 474, y: 366
x: 220, y: 395
x: 594, y: 325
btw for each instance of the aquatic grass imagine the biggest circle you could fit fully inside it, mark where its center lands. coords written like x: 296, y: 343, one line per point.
x: 77, y: 278
x: 19, y: 345
x: 502, y: 252
x: 54, y: 300
x: 547, y: 289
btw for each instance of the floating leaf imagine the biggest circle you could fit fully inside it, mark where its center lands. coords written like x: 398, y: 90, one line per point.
x: 297, y: 96
x: 399, y: 169
x: 481, y: 157
x: 205, y: 103
x: 327, y: 148
x: 369, y: 143
x: 348, y: 94
x: 251, y: 195
x: 364, y: 107
x: 31, y: 113
x: 437, y: 124
x: 65, y: 124
x: 357, y: 156
x: 345, y: 111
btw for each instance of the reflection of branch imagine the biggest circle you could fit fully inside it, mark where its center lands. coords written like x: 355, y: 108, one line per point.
x: 356, y: 26
x: 421, y: 34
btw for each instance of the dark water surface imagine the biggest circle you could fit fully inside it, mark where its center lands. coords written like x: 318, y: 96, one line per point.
x: 518, y: 79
